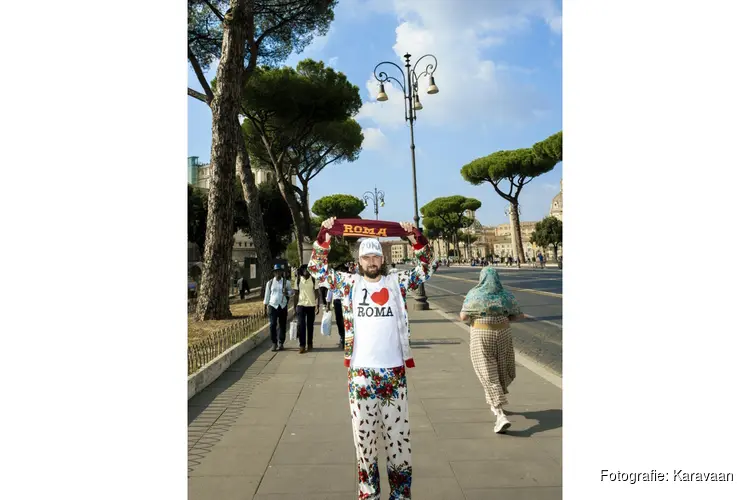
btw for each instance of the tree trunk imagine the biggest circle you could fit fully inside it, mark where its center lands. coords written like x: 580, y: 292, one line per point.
x: 554, y: 249
x: 255, y: 215
x: 287, y: 192
x: 516, y: 223
x: 306, y: 210
x: 213, y: 300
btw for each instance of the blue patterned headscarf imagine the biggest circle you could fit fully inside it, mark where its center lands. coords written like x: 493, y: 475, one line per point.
x: 489, y: 298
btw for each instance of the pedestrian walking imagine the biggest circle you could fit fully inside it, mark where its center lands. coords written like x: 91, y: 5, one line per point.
x: 335, y: 297
x: 490, y: 308
x: 241, y: 287
x: 376, y: 351
x: 307, y: 306
x: 278, y: 292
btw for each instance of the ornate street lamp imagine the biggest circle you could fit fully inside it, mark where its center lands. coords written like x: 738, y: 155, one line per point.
x: 409, y: 84
x: 377, y: 198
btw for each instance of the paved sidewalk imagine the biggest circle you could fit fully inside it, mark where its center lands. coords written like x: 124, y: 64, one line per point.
x: 276, y: 426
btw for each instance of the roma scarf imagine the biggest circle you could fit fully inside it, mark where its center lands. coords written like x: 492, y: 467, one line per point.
x: 364, y: 228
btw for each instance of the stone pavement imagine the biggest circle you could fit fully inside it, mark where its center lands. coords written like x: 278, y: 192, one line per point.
x: 276, y: 426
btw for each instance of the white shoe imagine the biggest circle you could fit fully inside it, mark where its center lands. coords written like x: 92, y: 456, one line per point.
x: 501, y: 424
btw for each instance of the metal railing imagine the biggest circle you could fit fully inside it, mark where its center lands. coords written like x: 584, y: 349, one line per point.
x: 204, y: 351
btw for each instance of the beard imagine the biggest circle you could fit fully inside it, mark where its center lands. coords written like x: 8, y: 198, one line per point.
x: 371, y: 272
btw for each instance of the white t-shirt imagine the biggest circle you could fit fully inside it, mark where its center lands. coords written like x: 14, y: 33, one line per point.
x: 377, y: 343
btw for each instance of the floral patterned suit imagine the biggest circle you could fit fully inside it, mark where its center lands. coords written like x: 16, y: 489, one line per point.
x: 378, y: 396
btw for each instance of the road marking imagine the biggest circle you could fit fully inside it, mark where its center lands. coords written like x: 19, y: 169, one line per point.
x: 513, y: 288
x: 557, y: 325
x: 524, y: 360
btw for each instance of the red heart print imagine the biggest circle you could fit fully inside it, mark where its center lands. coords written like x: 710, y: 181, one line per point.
x: 380, y: 297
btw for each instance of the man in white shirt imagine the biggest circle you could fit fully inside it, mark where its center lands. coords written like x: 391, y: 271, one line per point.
x: 278, y: 291
x: 374, y: 306
x: 307, y: 306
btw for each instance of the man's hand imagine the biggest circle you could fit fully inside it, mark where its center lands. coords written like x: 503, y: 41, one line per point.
x: 328, y: 224
x: 409, y: 228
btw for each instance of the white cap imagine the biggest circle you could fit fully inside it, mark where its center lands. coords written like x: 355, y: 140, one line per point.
x: 370, y: 246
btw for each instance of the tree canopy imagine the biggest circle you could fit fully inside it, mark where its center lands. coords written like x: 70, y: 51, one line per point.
x: 551, y: 147
x: 275, y: 29
x: 306, y: 108
x: 548, y: 232
x: 518, y: 167
x: 341, y: 206
x: 447, y: 215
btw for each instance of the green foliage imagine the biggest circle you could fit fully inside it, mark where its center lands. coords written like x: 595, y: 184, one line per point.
x: 518, y: 167
x: 341, y: 206
x: 339, y: 254
x: 281, y: 27
x: 301, y: 118
x: 197, y: 214
x: 328, y: 143
x: 292, y: 255
x: 549, y: 231
x: 447, y: 216
x: 551, y: 148
x: 277, y: 220
x: 465, y: 237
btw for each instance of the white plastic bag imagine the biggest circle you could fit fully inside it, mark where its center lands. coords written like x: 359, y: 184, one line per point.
x: 293, y: 330
x: 325, y: 324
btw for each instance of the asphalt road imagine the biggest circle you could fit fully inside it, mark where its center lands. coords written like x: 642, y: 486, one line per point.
x: 539, y: 293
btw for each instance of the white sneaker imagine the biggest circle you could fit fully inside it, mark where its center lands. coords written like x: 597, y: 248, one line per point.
x: 501, y: 424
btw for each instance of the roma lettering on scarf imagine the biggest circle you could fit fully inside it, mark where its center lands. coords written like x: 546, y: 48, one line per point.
x: 350, y: 230
x: 371, y: 228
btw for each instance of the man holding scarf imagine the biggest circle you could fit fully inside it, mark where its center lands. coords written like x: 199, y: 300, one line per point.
x: 374, y: 306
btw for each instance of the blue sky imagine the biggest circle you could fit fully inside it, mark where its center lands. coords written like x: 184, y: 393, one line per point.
x: 500, y: 78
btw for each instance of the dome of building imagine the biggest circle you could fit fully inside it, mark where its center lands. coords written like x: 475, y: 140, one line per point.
x: 556, y: 207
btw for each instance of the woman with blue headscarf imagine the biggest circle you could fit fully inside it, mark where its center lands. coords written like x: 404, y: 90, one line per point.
x: 490, y: 308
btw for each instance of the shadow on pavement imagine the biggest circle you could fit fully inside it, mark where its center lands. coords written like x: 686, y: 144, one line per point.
x: 547, y: 420
x: 214, y: 411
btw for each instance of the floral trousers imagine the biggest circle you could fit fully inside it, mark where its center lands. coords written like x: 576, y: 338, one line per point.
x: 380, y: 413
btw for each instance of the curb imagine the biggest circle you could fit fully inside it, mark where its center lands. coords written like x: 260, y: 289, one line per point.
x: 210, y: 372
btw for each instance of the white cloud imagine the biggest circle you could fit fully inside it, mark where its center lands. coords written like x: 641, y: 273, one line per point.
x: 333, y: 61
x: 472, y: 86
x: 375, y: 139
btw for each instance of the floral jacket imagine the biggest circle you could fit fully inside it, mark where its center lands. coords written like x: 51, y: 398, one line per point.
x: 345, y: 283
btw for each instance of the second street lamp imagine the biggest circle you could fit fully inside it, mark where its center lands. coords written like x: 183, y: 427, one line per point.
x: 409, y: 84
x: 377, y: 198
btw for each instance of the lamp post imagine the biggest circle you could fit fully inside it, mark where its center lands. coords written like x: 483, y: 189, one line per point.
x: 376, y: 197
x: 409, y: 84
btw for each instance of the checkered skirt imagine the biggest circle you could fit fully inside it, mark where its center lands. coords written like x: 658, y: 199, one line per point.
x: 491, y: 349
